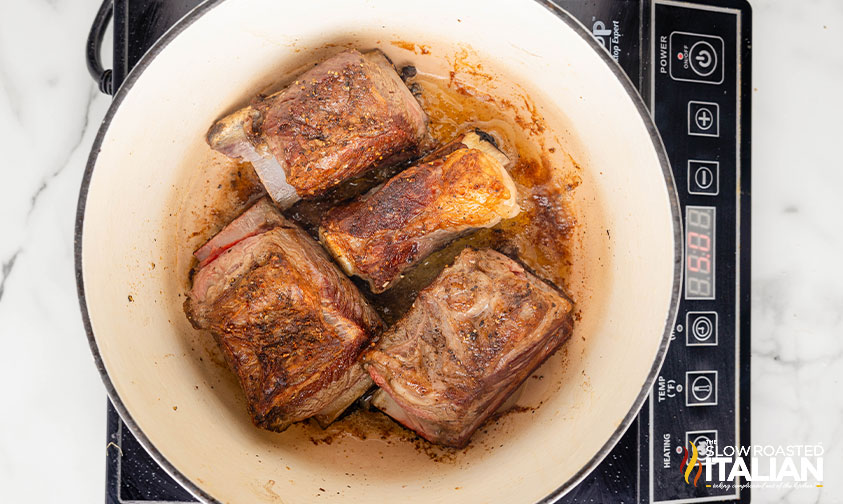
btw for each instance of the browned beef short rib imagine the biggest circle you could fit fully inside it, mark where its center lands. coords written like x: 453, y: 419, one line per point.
x: 290, y: 324
x: 350, y: 113
x: 395, y: 226
x: 469, y: 340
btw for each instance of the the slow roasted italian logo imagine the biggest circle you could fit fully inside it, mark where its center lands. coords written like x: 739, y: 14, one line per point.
x: 687, y: 466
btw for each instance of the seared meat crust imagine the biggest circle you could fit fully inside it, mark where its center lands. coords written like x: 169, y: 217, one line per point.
x: 397, y: 225
x: 350, y: 113
x: 470, y: 339
x: 290, y: 324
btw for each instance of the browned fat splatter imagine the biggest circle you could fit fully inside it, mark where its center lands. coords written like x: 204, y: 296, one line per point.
x: 411, y: 46
x: 515, y: 409
x: 226, y: 190
x: 268, y: 487
x: 363, y: 424
x: 466, y: 62
x: 537, y: 123
x: 542, y: 235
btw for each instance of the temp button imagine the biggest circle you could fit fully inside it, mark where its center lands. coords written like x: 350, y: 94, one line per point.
x: 701, y: 388
x: 695, y: 57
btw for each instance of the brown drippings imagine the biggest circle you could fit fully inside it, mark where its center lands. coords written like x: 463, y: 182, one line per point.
x: 540, y: 236
x: 410, y: 46
x: 363, y: 424
x: 225, y: 191
x: 513, y: 409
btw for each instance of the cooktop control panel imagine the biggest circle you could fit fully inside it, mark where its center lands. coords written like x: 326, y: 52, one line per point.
x: 696, y: 99
x: 691, y: 63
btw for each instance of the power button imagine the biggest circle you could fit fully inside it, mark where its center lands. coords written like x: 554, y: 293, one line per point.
x: 695, y: 57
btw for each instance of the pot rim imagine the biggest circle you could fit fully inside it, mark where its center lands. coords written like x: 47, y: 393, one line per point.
x: 565, y: 17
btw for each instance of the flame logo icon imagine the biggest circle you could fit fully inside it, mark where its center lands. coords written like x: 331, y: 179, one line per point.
x: 687, y: 467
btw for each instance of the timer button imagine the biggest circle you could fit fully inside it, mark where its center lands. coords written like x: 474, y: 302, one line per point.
x: 701, y: 388
x: 703, y: 177
x: 695, y: 57
x: 701, y: 328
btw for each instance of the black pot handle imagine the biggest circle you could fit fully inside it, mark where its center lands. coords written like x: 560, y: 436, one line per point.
x: 92, y: 53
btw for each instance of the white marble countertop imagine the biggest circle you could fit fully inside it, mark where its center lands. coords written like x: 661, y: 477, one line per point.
x: 52, y: 418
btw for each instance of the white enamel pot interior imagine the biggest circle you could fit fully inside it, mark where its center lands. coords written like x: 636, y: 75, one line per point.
x: 188, y: 411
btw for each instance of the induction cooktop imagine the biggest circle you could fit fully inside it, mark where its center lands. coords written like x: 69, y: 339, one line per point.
x: 691, y: 62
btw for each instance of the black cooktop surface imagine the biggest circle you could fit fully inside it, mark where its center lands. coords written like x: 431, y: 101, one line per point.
x: 691, y: 62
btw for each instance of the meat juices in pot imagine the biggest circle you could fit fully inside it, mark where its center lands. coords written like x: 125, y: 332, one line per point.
x: 294, y: 329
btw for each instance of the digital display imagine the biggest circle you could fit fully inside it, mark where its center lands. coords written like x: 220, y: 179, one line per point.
x: 699, y: 252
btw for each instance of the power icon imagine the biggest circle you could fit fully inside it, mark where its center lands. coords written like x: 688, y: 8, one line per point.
x: 696, y: 57
x: 702, y: 58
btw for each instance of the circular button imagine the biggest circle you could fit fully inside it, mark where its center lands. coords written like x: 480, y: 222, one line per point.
x: 703, y: 177
x: 704, y: 119
x: 703, y: 58
x: 702, y: 329
x: 704, y: 446
x: 701, y: 388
